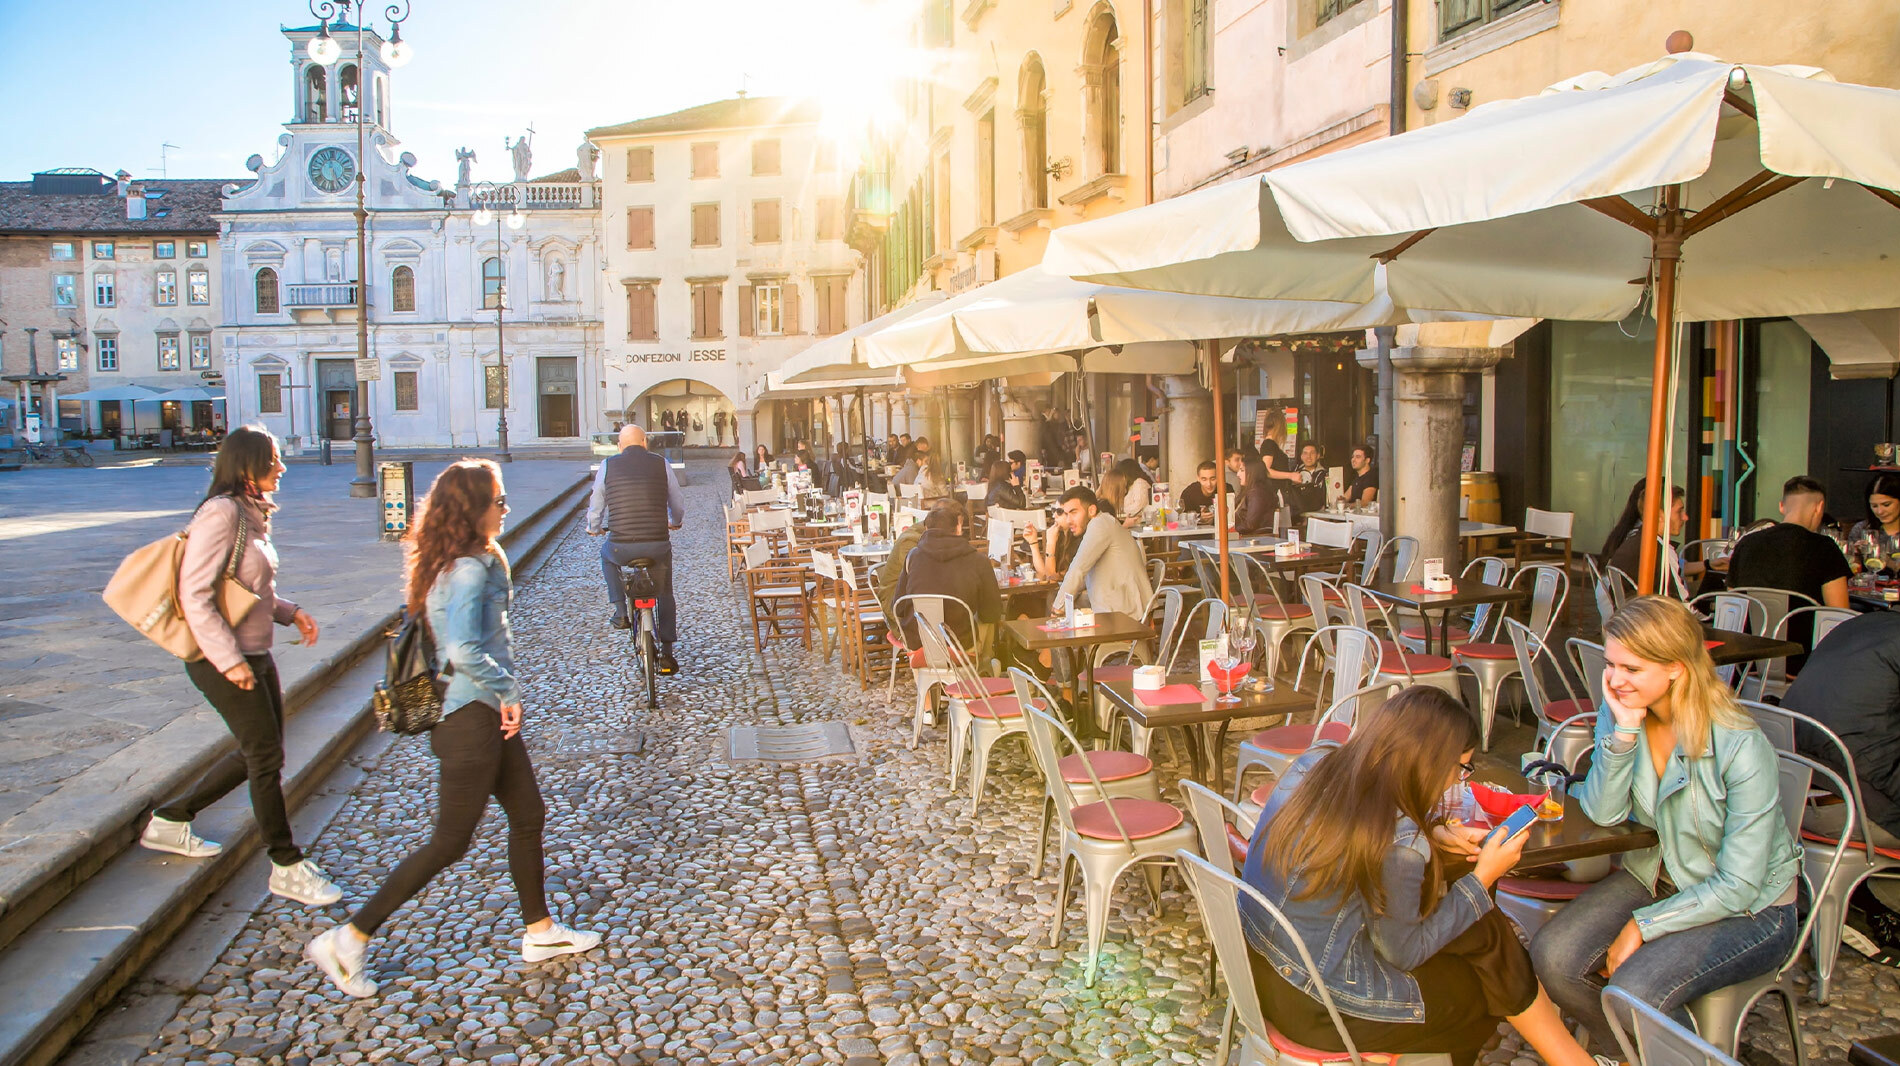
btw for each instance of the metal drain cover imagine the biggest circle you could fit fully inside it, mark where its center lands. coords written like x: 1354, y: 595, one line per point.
x: 789, y: 743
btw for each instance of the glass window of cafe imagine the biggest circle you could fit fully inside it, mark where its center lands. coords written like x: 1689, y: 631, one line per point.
x: 1783, y: 376
x: 1599, y: 422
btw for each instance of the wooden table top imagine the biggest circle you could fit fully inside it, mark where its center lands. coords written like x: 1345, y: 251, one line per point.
x: 1283, y: 699
x: 1747, y: 647
x: 1109, y: 626
x: 1575, y: 836
x: 1468, y: 592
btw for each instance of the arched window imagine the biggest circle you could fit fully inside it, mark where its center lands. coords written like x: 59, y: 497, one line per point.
x: 1102, y: 93
x: 316, y: 104
x: 1032, y: 115
x: 402, y: 289
x: 267, y: 291
x: 381, y: 102
x: 348, y: 93
x: 491, y: 282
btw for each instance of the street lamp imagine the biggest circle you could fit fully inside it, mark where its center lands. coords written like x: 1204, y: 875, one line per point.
x: 488, y: 194
x: 324, y: 50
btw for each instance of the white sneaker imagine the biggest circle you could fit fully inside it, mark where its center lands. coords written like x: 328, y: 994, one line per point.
x: 340, y: 955
x: 556, y: 940
x: 303, y: 882
x: 163, y: 834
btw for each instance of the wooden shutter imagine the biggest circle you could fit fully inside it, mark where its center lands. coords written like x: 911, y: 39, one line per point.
x: 765, y: 156
x: 641, y: 316
x: 706, y: 159
x: 640, y: 164
x: 715, y: 321
x: 706, y: 225
x: 640, y: 227
x: 748, y: 311
x: 765, y: 228
x: 788, y: 307
x: 830, y: 226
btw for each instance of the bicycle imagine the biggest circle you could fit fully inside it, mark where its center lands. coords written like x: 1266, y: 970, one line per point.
x: 642, y: 601
x: 53, y: 453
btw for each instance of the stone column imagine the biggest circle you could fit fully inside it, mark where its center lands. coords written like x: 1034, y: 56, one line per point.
x: 742, y: 420
x: 1420, y: 491
x: 762, y: 423
x: 960, y: 419
x: 1022, y: 419
x: 1187, y: 429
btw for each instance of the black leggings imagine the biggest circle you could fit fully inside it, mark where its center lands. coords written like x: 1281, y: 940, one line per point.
x: 476, y: 764
x: 255, y: 717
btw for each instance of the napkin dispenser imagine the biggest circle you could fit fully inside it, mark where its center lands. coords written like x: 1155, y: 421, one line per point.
x: 1150, y: 677
x: 1438, y: 583
x: 1290, y: 549
x: 1083, y: 618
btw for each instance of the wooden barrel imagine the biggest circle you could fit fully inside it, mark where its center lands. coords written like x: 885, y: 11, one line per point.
x: 1480, y: 488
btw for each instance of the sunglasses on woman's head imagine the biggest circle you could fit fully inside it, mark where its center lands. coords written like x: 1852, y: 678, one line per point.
x: 1465, y: 771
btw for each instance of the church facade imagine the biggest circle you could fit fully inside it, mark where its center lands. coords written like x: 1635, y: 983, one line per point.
x: 481, y: 296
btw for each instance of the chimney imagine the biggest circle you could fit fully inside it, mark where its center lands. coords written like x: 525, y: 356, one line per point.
x: 122, y: 178
x: 135, y: 200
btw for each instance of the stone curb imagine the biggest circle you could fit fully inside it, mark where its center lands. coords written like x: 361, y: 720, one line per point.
x: 85, y: 926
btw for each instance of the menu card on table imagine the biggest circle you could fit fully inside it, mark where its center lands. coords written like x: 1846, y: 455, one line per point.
x: 1211, y: 650
x: 1000, y: 534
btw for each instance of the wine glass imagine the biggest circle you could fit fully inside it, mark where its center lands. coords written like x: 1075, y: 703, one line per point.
x: 1227, y: 669
x: 1242, y: 639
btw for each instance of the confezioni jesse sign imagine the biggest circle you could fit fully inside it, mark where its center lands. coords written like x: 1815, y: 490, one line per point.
x: 697, y: 355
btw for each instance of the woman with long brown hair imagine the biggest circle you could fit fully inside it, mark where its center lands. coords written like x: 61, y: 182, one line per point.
x: 1713, y: 903
x: 237, y: 674
x: 458, y: 572
x: 1348, y: 846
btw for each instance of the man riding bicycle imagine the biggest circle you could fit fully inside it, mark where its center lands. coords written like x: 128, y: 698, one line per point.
x: 636, y: 501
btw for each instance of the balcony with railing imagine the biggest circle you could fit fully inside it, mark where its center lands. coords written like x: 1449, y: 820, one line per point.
x: 538, y: 196
x: 327, y: 294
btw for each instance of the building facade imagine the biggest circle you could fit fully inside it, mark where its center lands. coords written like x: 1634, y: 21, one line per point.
x: 117, y: 281
x: 725, y: 255
x: 440, y: 364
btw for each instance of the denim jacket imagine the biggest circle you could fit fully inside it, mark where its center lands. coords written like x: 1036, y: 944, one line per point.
x: 1723, y: 840
x: 468, y: 614
x: 1365, y: 959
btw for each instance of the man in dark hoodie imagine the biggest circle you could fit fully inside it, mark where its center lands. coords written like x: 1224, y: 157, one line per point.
x: 945, y: 563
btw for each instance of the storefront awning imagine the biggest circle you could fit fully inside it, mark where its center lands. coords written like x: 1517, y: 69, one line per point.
x: 1859, y: 344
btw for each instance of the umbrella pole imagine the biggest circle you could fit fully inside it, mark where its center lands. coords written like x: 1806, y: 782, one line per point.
x: 1220, y: 459
x: 864, y: 481
x: 1668, y: 255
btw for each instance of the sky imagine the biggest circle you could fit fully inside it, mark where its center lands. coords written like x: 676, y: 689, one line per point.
x: 212, y: 77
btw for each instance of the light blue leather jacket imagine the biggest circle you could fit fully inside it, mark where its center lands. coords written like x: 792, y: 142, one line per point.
x: 1723, y: 839
x: 468, y: 613
x: 1364, y: 959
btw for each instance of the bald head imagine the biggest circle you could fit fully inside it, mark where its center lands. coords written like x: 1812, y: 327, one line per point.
x: 631, y: 435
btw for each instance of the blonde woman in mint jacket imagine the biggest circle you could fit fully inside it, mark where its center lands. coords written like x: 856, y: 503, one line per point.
x: 1713, y: 903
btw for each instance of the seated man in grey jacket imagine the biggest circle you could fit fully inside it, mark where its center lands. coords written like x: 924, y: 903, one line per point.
x: 1108, y: 563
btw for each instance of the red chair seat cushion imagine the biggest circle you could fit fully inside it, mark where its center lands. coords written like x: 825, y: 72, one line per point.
x: 1397, y: 660
x: 1821, y: 838
x: 1565, y: 710
x: 1142, y: 818
x: 999, y: 708
x: 1485, y: 650
x: 1293, y: 1049
x: 1109, y: 766
x: 1553, y: 888
x: 1294, y: 739
x: 992, y: 686
x: 1268, y: 608
x: 1458, y: 633
x: 1263, y: 793
x: 1115, y: 672
x: 1236, y: 845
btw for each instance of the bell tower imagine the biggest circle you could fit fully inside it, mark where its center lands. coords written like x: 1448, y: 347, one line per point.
x: 331, y: 80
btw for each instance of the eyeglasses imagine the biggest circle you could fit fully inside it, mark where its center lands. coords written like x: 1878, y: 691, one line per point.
x: 1465, y: 771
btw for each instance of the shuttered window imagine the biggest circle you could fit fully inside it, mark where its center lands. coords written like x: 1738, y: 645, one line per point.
x: 705, y: 225
x: 765, y: 155
x: 706, y: 318
x: 828, y: 224
x: 406, y: 399
x: 828, y: 299
x: 640, y: 227
x: 788, y: 307
x: 1457, y: 16
x: 706, y: 159
x: 640, y: 164
x: 765, y: 222
x: 270, y: 394
x: 642, y: 312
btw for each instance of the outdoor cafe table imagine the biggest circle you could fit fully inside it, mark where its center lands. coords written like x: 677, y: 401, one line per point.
x: 1575, y: 837
x: 1204, y: 746
x: 1737, y: 648
x: 1466, y: 592
x: 868, y: 552
x: 1110, y: 627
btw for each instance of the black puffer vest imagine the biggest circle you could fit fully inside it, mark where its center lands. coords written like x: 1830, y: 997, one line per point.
x: 636, y: 495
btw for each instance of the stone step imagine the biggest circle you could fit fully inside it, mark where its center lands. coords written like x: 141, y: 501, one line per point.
x: 96, y: 921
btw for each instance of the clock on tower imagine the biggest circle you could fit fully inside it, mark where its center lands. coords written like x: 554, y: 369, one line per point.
x: 332, y: 169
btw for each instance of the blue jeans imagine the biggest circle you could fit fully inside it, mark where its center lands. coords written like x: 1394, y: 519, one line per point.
x: 1668, y: 972
x: 615, y: 552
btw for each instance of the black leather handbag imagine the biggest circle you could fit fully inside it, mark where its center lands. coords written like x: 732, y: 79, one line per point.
x: 408, y: 700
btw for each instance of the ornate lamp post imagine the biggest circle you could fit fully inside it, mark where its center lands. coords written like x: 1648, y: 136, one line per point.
x: 324, y: 50
x: 488, y: 194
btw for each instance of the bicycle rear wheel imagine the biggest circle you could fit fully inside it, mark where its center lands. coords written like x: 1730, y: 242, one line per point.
x: 649, y: 661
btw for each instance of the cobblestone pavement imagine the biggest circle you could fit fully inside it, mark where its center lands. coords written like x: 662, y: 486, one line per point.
x: 841, y: 910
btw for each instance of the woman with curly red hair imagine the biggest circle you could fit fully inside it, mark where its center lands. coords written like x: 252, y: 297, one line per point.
x: 459, y: 574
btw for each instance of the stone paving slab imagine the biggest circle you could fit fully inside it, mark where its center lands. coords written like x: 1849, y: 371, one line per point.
x: 845, y: 910
x: 102, y: 720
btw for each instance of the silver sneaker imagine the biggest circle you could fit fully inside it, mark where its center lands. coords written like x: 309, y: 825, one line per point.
x: 555, y: 941
x: 305, y: 883
x: 340, y: 956
x: 163, y: 834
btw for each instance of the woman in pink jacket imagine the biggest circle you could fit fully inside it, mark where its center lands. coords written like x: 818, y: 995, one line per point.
x: 237, y: 674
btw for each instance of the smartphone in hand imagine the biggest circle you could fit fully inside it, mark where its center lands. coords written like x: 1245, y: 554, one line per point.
x: 1519, y: 822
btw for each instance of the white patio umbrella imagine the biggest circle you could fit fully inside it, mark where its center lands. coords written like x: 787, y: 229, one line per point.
x: 1716, y: 190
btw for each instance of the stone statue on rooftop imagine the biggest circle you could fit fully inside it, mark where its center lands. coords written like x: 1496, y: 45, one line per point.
x: 523, y: 156
x: 463, y: 157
